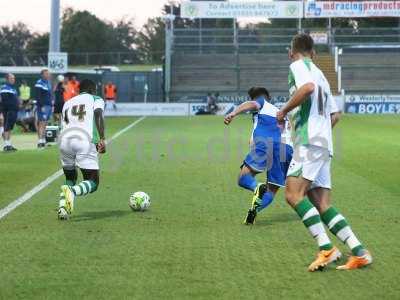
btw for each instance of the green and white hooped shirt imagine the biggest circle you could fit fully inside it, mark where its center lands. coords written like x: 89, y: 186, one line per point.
x: 312, y: 119
x: 78, y: 113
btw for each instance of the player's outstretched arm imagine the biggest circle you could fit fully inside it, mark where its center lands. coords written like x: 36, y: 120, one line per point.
x: 99, y: 120
x: 297, y: 99
x: 245, y: 106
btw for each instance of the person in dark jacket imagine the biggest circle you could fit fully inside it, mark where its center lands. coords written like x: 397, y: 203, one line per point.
x: 44, y: 105
x: 59, y: 98
x: 9, y: 107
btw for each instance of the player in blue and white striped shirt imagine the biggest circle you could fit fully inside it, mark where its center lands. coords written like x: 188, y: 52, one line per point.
x: 271, y: 151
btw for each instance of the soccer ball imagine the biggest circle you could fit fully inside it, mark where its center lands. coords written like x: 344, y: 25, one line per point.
x: 139, y: 201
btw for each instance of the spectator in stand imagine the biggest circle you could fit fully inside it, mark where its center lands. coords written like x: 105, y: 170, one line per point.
x: 44, y: 105
x: 26, y: 117
x: 110, y: 94
x: 24, y: 92
x: 9, y: 107
x: 59, y: 92
x: 212, y: 106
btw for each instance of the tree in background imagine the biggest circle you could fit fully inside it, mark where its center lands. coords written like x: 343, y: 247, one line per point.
x: 82, y: 32
x: 38, y: 44
x: 150, y: 41
x: 13, y: 39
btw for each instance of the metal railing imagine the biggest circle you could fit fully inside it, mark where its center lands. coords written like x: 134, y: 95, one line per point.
x: 83, y: 58
x: 276, y: 39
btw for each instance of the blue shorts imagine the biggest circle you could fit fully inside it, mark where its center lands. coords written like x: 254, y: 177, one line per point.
x: 44, y: 113
x: 272, y: 157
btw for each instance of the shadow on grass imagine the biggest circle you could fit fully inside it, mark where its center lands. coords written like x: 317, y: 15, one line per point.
x: 97, y: 215
x: 268, y: 220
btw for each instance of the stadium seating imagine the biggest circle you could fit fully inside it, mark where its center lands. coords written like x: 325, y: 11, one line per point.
x: 196, y: 74
x: 370, y: 72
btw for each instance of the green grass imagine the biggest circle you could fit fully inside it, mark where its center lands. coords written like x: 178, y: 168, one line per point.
x: 191, y: 243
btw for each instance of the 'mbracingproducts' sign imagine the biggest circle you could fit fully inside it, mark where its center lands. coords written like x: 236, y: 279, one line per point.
x: 241, y: 9
x: 351, y: 9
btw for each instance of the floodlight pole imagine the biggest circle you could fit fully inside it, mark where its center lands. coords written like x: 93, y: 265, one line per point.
x: 54, y: 41
x: 299, y: 26
x: 299, y: 21
x: 169, y: 36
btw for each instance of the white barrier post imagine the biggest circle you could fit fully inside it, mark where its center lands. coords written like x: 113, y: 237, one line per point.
x: 339, y: 74
x: 342, y: 92
x: 336, y: 58
x: 169, y: 36
x: 146, y: 90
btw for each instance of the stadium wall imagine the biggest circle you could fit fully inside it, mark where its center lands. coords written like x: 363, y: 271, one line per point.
x: 183, y: 108
x: 352, y: 104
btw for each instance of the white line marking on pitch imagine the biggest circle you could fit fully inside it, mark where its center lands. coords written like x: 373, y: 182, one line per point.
x: 45, y: 183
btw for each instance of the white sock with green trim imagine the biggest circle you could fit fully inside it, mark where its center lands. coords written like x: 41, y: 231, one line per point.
x: 312, y: 220
x: 338, y: 225
x: 84, y: 188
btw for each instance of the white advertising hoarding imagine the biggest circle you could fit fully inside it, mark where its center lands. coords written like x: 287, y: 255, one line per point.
x: 372, y: 98
x: 165, y: 109
x: 148, y: 109
x: 360, y: 104
x: 58, y: 62
x: 351, y: 9
x: 372, y: 104
x: 223, y: 108
x: 242, y: 9
x: 320, y: 38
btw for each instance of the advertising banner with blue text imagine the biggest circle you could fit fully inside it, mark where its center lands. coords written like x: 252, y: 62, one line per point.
x: 351, y: 9
x: 241, y: 9
x: 372, y: 104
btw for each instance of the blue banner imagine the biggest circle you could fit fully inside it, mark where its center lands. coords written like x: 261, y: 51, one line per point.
x: 373, y: 108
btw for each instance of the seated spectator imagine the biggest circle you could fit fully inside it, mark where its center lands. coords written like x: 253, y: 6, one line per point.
x: 26, y: 117
x: 212, y: 106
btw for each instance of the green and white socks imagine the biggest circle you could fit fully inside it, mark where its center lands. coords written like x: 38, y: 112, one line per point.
x: 84, y: 188
x: 312, y: 220
x: 338, y: 225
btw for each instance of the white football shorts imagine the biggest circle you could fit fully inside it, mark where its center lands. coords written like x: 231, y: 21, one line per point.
x: 76, y: 152
x: 312, y: 163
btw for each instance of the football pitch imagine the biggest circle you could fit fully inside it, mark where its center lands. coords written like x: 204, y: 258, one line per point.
x: 191, y: 244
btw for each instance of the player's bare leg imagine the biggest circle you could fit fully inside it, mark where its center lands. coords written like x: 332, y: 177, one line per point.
x: 67, y: 197
x: 71, y: 190
x: 338, y: 226
x: 296, y: 188
x: 41, y: 129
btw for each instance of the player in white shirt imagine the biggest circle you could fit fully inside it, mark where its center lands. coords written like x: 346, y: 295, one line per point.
x: 81, y: 139
x: 311, y: 99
